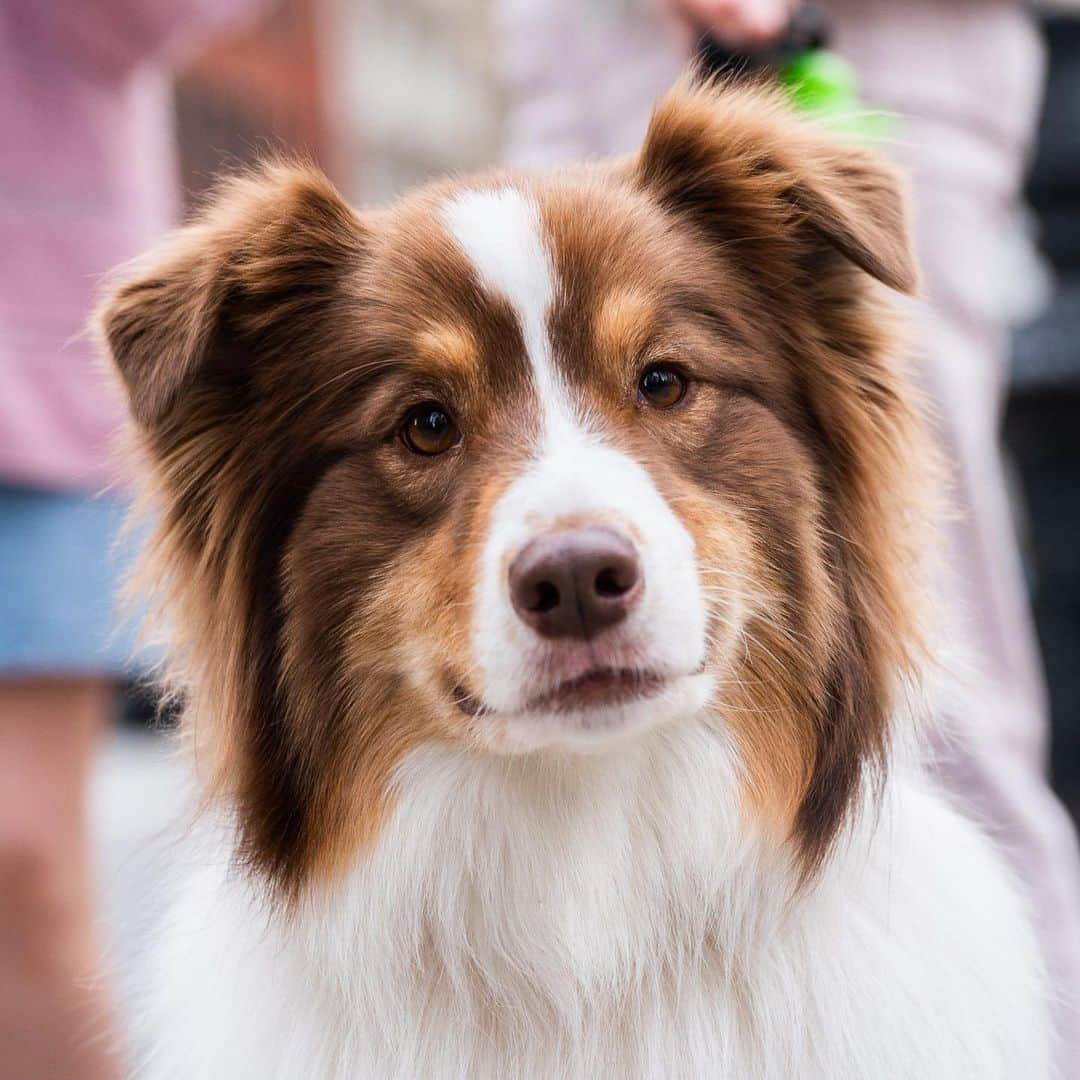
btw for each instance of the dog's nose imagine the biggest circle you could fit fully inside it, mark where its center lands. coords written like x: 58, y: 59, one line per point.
x: 574, y: 584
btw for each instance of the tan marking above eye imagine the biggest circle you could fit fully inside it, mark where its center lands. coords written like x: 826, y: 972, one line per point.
x: 624, y: 321
x: 448, y: 347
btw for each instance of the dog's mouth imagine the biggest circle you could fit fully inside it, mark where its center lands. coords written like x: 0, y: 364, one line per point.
x: 600, y: 687
x: 597, y: 688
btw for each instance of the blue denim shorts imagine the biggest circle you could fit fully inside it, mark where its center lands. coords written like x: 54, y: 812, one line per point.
x: 61, y: 567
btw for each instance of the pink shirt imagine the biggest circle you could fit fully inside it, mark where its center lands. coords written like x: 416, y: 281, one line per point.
x: 87, y: 179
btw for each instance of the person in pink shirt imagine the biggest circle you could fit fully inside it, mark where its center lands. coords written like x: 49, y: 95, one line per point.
x: 963, y: 78
x: 87, y: 179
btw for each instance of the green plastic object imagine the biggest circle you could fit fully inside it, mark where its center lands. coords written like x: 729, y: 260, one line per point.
x: 824, y: 85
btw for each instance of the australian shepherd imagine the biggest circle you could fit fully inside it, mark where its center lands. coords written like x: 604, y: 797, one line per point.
x: 540, y: 559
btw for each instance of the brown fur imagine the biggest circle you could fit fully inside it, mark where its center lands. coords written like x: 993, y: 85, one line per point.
x: 319, y: 576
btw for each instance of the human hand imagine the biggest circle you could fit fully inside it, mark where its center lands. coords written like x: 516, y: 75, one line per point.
x: 735, y: 23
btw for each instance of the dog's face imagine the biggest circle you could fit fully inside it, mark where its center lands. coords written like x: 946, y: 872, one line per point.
x: 533, y: 464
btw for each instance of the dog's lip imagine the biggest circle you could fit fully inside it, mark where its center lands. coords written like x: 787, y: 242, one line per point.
x: 599, y: 687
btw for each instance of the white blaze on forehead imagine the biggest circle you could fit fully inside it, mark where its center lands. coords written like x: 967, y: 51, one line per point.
x: 573, y: 474
x: 500, y: 232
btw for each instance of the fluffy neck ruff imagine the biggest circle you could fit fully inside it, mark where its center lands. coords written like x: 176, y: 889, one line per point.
x: 539, y: 889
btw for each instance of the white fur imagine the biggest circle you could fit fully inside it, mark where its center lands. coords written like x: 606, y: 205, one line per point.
x: 573, y: 475
x: 499, y: 230
x: 612, y: 915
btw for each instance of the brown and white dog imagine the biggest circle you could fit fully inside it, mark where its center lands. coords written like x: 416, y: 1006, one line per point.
x: 539, y: 557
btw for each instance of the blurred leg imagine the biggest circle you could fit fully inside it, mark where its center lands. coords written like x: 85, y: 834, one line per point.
x: 54, y: 1012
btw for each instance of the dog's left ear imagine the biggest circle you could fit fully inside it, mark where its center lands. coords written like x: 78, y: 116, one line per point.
x: 739, y: 163
x: 807, y: 217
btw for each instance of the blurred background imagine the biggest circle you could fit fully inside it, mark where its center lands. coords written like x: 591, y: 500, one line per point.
x: 385, y: 94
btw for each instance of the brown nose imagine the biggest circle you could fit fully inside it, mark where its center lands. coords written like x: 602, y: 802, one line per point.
x: 574, y: 584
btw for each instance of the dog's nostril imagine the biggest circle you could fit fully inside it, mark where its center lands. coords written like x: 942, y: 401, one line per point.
x: 547, y: 597
x: 610, y: 582
x: 575, y: 583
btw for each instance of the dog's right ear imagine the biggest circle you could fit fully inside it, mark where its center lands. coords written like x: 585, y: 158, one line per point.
x: 228, y: 294
x: 221, y: 338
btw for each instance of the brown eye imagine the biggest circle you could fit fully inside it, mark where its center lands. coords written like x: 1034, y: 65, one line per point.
x: 429, y: 430
x: 662, y: 387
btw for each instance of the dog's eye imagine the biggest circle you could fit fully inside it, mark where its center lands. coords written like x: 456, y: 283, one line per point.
x: 662, y: 386
x: 429, y: 430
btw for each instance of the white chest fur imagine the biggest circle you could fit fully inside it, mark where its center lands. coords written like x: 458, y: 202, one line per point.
x: 611, y: 917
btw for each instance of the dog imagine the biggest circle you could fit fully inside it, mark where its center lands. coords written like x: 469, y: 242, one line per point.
x: 540, y: 561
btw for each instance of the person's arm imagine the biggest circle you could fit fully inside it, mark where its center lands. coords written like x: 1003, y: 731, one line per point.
x: 113, y: 36
x: 546, y: 82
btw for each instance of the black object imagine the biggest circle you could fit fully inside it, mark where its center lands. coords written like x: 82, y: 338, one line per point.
x: 808, y: 29
x: 1042, y: 421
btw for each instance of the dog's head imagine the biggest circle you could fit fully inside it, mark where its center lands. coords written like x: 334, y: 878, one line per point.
x: 533, y: 463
